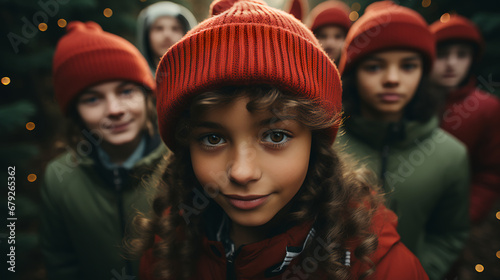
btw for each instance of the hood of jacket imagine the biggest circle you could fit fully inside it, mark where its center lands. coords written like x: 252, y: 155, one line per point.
x: 148, y: 16
x: 402, y: 134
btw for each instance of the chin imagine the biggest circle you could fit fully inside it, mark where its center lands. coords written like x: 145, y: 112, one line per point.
x: 119, y: 140
x: 250, y: 220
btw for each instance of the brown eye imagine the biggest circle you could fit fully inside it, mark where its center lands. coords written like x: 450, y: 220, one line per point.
x: 213, y: 139
x: 277, y: 136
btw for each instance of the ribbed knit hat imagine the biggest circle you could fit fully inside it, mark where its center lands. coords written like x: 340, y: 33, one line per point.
x: 330, y: 12
x: 297, y: 8
x: 248, y: 44
x: 457, y: 28
x: 87, y: 56
x: 386, y: 25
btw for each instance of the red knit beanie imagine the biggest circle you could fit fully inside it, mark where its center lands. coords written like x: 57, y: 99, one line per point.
x: 87, y: 56
x: 330, y: 12
x: 248, y: 44
x: 458, y: 28
x: 386, y: 25
x: 297, y: 8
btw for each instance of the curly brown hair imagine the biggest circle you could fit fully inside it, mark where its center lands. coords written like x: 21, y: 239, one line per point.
x: 334, y: 194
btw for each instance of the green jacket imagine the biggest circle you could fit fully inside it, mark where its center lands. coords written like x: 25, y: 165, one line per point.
x: 87, y: 212
x: 426, y: 179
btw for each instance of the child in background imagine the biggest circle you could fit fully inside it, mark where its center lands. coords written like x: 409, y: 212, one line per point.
x: 159, y: 26
x: 392, y: 129
x: 104, y: 87
x: 253, y: 188
x: 329, y: 21
x: 470, y: 114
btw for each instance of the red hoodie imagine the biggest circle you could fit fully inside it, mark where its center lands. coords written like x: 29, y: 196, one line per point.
x: 473, y: 116
x: 263, y: 259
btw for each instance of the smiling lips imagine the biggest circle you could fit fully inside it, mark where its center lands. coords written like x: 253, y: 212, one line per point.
x: 246, y: 202
x: 116, y: 128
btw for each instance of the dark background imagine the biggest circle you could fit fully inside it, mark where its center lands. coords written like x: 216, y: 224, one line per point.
x: 26, y: 57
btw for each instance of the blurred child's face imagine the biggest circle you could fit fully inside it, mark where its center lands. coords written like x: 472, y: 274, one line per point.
x: 386, y: 82
x: 114, y: 110
x: 332, y: 39
x: 255, y: 162
x: 163, y: 33
x: 452, y: 65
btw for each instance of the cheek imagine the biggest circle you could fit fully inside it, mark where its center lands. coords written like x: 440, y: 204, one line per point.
x: 411, y: 83
x: 208, y: 170
x: 91, y: 117
x: 367, y: 85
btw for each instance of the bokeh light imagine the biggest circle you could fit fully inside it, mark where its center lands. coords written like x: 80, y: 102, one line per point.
x: 426, y: 3
x: 479, y: 268
x: 5, y: 81
x: 62, y: 23
x: 108, y: 12
x: 445, y: 17
x: 32, y: 177
x: 30, y: 126
x: 353, y: 16
x: 42, y: 27
x: 355, y: 7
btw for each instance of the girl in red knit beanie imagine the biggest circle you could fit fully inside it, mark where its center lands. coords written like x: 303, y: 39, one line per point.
x: 91, y: 193
x: 392, y: 128
x: 470, y: 114
x: 329, y: 21
x: 249, y: 104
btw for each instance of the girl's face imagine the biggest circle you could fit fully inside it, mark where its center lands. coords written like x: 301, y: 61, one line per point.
x: 386, y: 82
x: 254, y: 162
x: 115, y: 111
x: 163, y: 33
x: 452, y: 65
x: 331, y: 38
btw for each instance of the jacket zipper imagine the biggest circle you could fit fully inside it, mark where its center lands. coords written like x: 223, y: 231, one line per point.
x: 121, y: 213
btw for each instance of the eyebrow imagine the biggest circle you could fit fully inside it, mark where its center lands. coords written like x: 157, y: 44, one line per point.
x: 214, y: 125
x: 211, y: 125
x: 119, y: 86
x: 408, y: 58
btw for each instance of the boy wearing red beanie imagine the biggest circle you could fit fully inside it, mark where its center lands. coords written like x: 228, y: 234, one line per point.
x: 90, y: 194
x: 470, y: 114
x: 329, y: 21
x: 249, y: 104
x: 392, y: 128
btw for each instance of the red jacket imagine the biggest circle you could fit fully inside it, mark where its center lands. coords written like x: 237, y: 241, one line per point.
x: 255, y: 261
x: 473, y: 116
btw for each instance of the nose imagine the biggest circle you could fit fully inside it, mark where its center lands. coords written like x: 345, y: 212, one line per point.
x: 244, y: 167
x: 115, y: 107
x: 392, y: 76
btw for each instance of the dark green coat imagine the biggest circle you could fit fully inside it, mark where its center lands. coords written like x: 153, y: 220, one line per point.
x: 426, y: 181
x: 87, y: 210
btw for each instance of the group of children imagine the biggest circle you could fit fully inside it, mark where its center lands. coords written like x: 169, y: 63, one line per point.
x: 279, y: 164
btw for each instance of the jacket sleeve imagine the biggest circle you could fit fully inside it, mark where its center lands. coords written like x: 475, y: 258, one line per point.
x: 399, y: 263
x: 486, y: 165
x: 59, y: 256
x: 448, y: 228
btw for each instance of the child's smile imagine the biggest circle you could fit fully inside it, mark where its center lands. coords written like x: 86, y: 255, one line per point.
x: 263, y: 160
